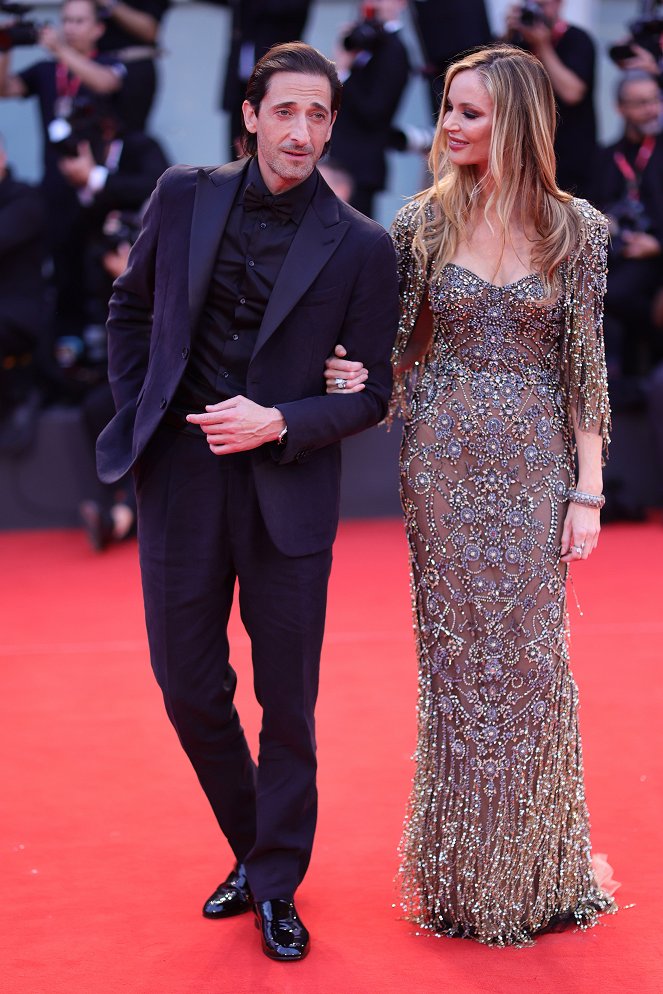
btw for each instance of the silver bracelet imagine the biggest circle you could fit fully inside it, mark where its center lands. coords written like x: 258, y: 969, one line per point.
x: 589, y: 500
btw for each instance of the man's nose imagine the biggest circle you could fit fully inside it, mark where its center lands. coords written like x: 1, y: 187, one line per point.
x: 299, y: 129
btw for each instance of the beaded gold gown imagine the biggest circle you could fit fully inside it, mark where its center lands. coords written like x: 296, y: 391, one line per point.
x: 496, y: 839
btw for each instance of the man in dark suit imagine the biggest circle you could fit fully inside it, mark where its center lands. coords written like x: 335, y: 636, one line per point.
x: 243, y: 279
x: 374, y: 66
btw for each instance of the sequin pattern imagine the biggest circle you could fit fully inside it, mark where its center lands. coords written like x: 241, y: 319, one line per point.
x: 496, y: 840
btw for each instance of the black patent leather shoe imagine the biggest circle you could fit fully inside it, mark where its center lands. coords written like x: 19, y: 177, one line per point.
x: 283, y: 934
x: 232, y: 897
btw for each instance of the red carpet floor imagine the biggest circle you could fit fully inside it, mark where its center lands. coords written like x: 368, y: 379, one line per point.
x: 108, y: 847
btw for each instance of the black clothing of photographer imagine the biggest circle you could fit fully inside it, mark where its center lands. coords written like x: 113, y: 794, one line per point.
x: 374, y: 67
x: 77, y: 77
x: 24, y: 329
x: 110, y: 173
x: 256, y: 26
x: 629, y: 189
x: 131, y: 37
x: 445, y: 28
x: 569, y: 56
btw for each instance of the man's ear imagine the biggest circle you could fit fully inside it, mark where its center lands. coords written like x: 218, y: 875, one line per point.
x: 250, y: 117
x: 331, y: 125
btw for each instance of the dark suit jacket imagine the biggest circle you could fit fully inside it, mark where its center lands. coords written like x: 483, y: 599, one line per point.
x: 337, y: 284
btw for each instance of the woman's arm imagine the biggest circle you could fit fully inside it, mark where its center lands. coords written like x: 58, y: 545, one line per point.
x: 582, y: 524
x: 419, y: 341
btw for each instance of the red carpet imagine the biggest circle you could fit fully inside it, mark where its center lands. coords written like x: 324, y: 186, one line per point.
x: 108, y: 847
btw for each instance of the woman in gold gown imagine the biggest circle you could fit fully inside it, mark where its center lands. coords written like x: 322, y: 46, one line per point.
x: 500, y: 376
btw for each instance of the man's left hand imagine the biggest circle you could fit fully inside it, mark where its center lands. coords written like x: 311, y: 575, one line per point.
x: 238, y: 424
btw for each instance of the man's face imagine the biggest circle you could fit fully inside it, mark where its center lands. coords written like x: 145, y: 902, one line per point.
x: 292, y: 127
x: 640, y: 106
x: 80, y: 27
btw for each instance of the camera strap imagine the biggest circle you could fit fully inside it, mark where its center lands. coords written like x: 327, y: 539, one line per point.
x: 66, y: 88
x: 632, y: 173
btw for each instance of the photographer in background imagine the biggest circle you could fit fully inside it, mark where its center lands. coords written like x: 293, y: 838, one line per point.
x: 131, y: 37
x: 109, y: 171
x: 643, y: 49
x: 77, y: 76
x: 373, y: 65
x: 112, y: 518
x: 568, y: 54
x: 113, y: 175
x: 24, y: 328
x: 628, y: 188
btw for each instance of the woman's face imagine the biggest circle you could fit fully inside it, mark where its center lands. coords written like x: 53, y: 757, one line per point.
x: 468, y: 121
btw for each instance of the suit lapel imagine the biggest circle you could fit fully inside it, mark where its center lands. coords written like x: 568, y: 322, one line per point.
x: 317, y: 237
x: 214, y: 197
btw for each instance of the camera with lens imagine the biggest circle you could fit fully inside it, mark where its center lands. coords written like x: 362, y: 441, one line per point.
x: 366, y: 35
x: 531, y: 14
x: 19, y: 32
x: 82, y: 125
x: 645, y: 31
x: 120, y: 228
x: 628, y: 216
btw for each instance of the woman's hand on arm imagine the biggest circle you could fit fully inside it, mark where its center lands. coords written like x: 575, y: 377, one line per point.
x: 353, y: 374
x: 342, y: 375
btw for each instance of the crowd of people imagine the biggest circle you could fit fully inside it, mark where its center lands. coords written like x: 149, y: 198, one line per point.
x: 95, y: 88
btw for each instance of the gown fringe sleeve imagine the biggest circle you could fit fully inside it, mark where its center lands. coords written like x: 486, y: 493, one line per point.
x: 413, y: 286
x: 584, y: 376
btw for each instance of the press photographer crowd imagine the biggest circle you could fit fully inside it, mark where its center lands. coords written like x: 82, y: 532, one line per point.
x: 94, y: 80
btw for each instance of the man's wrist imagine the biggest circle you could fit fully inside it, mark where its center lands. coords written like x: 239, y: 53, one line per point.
x: 280, y: 427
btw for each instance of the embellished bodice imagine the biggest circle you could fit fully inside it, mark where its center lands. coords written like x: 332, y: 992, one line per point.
x: 499, y: 331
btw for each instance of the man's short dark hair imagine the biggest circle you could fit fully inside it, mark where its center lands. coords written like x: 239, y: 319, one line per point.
x: 293, y: 56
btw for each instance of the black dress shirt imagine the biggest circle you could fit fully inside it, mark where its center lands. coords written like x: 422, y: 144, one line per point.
x: 254, y: 245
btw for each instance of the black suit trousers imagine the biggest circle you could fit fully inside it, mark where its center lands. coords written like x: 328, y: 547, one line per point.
x: 201, y: 533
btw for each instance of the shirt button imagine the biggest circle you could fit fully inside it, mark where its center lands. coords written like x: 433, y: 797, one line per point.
x: 226, y: 374
x: 251, y: 263
x: 185, y: 352
x: 263, y: 224
x: 242, y: 300
x: 235, y: 337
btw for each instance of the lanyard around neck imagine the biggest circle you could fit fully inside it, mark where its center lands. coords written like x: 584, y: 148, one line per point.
x: 632, y: 173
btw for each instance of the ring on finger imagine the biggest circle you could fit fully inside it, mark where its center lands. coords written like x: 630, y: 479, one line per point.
x: 578, y: 549
x: 340, y: 383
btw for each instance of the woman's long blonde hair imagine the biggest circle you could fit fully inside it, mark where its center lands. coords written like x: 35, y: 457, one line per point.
x: 521, y: 167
